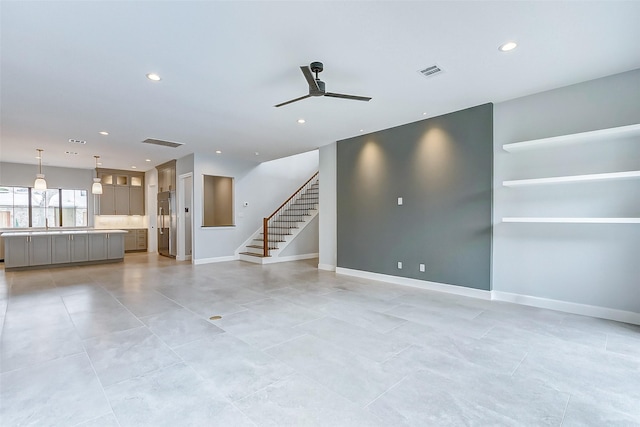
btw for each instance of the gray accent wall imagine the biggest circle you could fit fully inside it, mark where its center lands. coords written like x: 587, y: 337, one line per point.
x: 442, y: 169
x: 591, y: 264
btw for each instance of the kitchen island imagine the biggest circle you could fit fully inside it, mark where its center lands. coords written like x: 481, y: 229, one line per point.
x: 58, y: 248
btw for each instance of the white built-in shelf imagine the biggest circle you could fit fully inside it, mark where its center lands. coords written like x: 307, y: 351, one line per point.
x: 575, y: 220
x: 574, y: 178
x: 602, y: 134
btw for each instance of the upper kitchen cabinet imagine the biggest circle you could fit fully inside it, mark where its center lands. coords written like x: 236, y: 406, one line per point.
x: 122, y: 192
x: 167, y: 176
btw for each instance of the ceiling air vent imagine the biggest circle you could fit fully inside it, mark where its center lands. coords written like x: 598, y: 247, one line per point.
x: 77, y: 141
x: 163, y: 143
x: 430, y: 71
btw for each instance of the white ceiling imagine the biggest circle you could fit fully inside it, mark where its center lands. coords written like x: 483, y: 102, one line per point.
x: 72, y: 69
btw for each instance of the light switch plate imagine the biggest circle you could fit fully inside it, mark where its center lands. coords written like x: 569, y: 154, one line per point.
x: 399, y: 265
x: 399, y: 201
x: 422, y: 268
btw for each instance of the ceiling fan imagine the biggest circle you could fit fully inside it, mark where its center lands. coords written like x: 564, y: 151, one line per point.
x: 316, y: 86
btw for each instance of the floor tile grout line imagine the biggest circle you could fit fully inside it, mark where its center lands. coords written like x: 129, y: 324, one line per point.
x: 520, y: 363
x: 564, y: 413
x: 104, y: 392
x: 284, y: 342
x: 385, y: 392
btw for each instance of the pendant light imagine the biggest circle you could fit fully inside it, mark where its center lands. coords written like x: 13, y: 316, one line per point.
x: 96, y: 188
x: 40, y: 183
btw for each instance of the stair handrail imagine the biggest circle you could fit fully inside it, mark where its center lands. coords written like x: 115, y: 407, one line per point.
x: 265, y: 221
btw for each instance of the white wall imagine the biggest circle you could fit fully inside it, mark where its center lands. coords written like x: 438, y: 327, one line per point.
x: 590, y: 264
x: 17, y: 174
x: 305, y: 243
x: 263, y: 186
x: 327, y: 225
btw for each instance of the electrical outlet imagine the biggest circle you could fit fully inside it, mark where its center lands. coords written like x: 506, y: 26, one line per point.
x: 422, y: 268
x: 399, y: 265
x: 399, y: 201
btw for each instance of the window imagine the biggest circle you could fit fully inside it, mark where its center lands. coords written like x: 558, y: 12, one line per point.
x: 22, y: 207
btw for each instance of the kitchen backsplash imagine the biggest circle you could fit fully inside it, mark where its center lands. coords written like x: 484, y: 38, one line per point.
x: 119, y: 221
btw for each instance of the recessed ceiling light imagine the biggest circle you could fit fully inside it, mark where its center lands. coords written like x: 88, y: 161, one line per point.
x: 301, y: 121
x: 104, y: 133
x: 99, y: 163
x: 147, y: 160
x: 218, y: 152
x: 154, y: 77
x: 361, y: 130
x: 508, y: 46
x: 257, y: 154
x: 134, y: 167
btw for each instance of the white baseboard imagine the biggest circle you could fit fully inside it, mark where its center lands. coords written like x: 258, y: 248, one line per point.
x: 276, y: 259
x: 183, y: 258
x: 326, y: 267
x: 216, y: 259
x: 551, y: 304
x: 415, y: 283
x: 569, y: 307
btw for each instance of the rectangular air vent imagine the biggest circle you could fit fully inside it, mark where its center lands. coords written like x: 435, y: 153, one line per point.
x: 163, y: 143
x: 430, y: 71
x: 77, y: 141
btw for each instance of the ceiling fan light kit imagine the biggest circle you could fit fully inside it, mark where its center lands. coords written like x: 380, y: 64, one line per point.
x: 317, y: 86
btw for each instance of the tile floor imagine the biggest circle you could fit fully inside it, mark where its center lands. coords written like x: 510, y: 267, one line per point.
x: 131, y: 344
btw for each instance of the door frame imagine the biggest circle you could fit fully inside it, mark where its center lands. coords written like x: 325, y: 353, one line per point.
x: 180, y: 227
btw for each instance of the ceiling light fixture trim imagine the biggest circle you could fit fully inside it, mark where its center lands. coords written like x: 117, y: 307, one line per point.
x: 508, y: 46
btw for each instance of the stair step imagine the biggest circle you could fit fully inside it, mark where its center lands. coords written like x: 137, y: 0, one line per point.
x: 252, y: 254
x: 262, y: 247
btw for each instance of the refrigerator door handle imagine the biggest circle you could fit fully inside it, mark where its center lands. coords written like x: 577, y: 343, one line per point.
x: 161, y: 228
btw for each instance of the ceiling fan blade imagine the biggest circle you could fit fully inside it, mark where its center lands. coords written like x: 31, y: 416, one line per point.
x: 313, y: 85
x: 341, y: 95
x: 293, y: 100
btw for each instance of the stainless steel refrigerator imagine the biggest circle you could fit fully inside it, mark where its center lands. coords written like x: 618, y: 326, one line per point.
x: 167, y: 223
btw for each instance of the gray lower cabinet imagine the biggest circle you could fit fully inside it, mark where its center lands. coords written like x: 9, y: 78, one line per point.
x: 37, y: 250
x: 69, y: 248
x: 135, y: 240
x: 115, y: 246
x: 61, y: 249
x: 16, y: 252
x: 79, y: 246
x: 106, y: 246
x: 26, y: 251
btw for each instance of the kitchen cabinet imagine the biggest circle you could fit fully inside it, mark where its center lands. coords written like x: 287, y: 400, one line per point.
x: 135, y: 240
x: 122, y: 192
x: 66, y: 248
x: 16, y: 252
x: 107, y: 200
x: 79, y: 248
x: 61, y: 249
x: 121, y: 200
x: 167, y: 176
x: 38, y: 248
x: 106, y: 246
x: 27, y: 251
x: 136, y: 200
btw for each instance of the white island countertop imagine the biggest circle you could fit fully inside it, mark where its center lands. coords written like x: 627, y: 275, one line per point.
x: 52, y: 232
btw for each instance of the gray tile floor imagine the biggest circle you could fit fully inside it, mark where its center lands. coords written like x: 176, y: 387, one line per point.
x: 131, y: 344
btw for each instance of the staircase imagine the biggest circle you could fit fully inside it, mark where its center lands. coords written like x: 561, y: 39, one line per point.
x: 283, y: 225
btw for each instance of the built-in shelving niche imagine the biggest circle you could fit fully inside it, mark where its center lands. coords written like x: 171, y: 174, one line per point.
x: 601, y: 135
